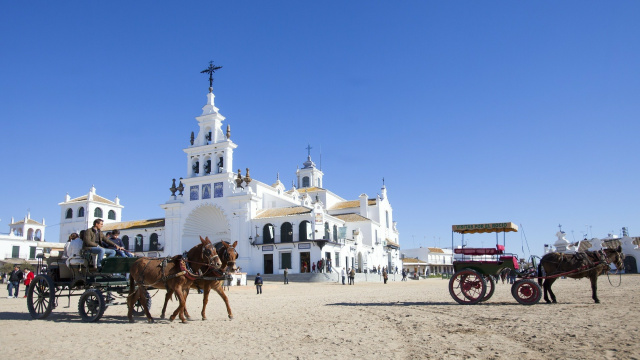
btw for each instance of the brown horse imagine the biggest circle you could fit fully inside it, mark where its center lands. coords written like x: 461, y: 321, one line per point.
x: 228, y: 256
x: 172, y: 274
x: 583, y: 264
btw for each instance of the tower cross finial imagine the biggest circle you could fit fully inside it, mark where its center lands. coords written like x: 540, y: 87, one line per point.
x: 210, y: 70
x: 309, y: 149
x: 560, y: 227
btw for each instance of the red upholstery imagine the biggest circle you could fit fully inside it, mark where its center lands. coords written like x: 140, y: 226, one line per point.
x: 476, y: 251
x: 511, y: 258
x: 500, y: 249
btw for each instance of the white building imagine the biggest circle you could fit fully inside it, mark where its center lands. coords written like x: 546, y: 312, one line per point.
x: 78, y: 214
x: 275, y: 228
x: 24, y: 241
x: 431, y: 260
x: 630, y: 247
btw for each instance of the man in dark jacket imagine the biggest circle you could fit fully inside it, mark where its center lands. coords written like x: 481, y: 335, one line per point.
x: 258, y: 283
x: 14, y: 281
x: 94, y: 240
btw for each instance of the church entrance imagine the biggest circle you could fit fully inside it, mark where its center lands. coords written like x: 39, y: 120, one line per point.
x: 206, y: 221
x: 305, y: 260
x: 630, y: 265
x: 268, y: 263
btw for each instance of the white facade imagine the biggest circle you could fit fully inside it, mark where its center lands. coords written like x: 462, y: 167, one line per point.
x: 274, y: 227
x: 438, y: 261
x: 78, y: 214
x: 24, y: 241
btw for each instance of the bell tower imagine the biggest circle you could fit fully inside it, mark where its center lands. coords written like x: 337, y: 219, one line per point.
x: 211, y: 151
x: 309, y: 175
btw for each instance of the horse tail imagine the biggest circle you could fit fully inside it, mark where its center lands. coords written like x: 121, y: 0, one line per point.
x: 540, y: 274
x: 132, y: 284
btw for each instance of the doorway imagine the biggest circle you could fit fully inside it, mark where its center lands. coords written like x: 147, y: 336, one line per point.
x: 268, y: 263
x: 630, y: 265
x: 305, y: 261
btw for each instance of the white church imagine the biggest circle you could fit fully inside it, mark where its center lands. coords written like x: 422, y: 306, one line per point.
x: 275, y: 228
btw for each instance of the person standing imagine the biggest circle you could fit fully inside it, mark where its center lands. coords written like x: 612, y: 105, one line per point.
x: 385, y: 276
x: 14, y: 282
x: 353, y: 276
x: 28, y: 277
x: 92, y: 239
x: 313, y: 267
x: 258, y: 284
x: 286, y: 276
x: 343, y: 275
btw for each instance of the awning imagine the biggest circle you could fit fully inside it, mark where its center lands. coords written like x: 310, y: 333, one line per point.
x: 485, y: 228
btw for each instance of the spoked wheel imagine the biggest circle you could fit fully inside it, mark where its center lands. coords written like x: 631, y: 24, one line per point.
x: 526, y: 292
x: 138, y: 310
x: 91, y: 305
x: 467, y: 287
x: 41, y: 297
x: 491, y: 287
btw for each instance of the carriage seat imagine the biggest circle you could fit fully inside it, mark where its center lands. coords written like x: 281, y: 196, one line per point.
x: 511, y: 259
x: 74, y: 254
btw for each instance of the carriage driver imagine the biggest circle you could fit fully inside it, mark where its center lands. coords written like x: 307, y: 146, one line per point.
x: 92, y: 239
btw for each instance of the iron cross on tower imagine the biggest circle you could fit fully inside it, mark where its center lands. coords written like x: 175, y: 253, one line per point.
x: 210, y: 70
x: 309, y: 150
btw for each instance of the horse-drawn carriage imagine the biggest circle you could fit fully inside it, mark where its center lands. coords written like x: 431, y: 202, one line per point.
x: 473, y: 281
x: 68, y: 275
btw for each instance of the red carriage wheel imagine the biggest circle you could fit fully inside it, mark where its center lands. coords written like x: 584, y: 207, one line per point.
x: 526, y: 292
x: 467, y: 287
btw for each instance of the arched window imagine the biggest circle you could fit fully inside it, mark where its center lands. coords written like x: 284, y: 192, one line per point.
x: 139, y: 243
x: 30, y: 234
x: 38, y: 235
x: 111, y: 215
x: 286, y: 232
x: 69, y: 214
x: 387, y: 213
x: 125, y: 242
x: 153, y: 242
x: 304, y: 231
x: 327, y: 231
x: 81, y: 212
x: 97, y: 213
x: 305, y: 181
x: 268, y: 234
x: 335, y: 233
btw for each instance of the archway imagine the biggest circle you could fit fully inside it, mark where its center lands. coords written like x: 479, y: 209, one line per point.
x: 359, y: 264
x: 630, y: 265
x: 206, y: 221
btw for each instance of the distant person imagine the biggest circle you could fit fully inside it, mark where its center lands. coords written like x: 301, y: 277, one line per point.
x: 343, y: 275
x: 385, y: 276
x: 14, y: 282
x: 352, y: 273
x: 313, y: 267
x: 286, y: 276
x: 28, y: 277
x: 258, y: 284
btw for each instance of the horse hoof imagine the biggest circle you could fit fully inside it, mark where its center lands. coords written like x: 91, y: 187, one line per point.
x: 230, y: 317
x: 184, y: 321
x: 597, y: 301
x: 131, y: 321
x: 150, y: 321
x: 204, y: 319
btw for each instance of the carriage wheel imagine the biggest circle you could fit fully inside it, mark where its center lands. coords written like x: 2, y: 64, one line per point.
x: 491, y: 287
x: 138, y: 310
x: 467, y: 287
x: 41, y: 297
x: 91, y: 305
x: 526, y: 292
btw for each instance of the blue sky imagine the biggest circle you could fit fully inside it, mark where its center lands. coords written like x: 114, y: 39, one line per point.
x: 472, y: 111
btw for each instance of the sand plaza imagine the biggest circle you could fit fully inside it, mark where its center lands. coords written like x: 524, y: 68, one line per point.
x: 400, y: 320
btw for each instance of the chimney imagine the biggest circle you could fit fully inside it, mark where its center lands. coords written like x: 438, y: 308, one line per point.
x: 363, y: 205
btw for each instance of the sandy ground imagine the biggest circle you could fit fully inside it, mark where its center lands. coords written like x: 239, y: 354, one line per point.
x: 400, y: 320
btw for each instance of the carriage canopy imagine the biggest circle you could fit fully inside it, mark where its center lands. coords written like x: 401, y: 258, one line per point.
x: 485, y: 228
